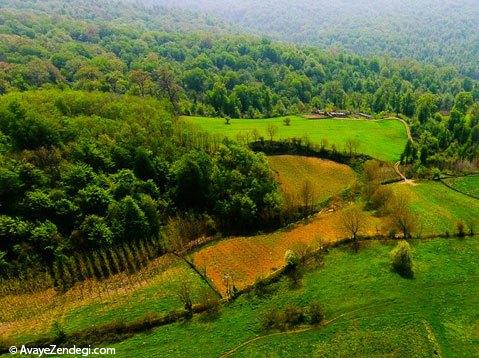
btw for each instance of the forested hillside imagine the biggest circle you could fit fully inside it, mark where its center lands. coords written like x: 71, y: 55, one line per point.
x: 223, y: 75
x: 439, y: 32
x: 275, y: 178
x: 123, y: 13
x: 86, y: 171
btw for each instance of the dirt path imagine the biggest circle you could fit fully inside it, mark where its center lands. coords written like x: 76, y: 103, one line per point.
x: 403, y: 177
x: 408, y: 129
x: 301, y: 330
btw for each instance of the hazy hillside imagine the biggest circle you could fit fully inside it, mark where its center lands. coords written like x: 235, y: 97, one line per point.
x: 434, y: 31
x: 117, y: 12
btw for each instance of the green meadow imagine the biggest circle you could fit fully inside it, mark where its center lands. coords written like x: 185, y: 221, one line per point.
x: 438, y: 207
x: 370, y: 311
x: 468, y: 185
x: 381, y: 139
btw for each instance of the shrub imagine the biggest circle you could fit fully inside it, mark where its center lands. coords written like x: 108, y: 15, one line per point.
x: 392, y: 233
x: 460, y: 229
x: 58, y: 332
x: 303, y: 251
x: 293, y: 316
x: 315, y: 313
x: 471, y: 227
x: 270, y: 319
x: 292, y: 269
x: 287, y: 121
x: 184, y: 294
x: 291, y: 258
x: 401, y: 259
x: 211, y: 305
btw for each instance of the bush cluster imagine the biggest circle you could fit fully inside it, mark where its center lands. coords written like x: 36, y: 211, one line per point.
x: 292, y: 316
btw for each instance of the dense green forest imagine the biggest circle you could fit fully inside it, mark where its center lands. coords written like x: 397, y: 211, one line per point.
x: 438, y: 32
x: 83, y: 171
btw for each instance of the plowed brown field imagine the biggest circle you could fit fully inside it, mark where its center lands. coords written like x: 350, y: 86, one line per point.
x: 245, y: 259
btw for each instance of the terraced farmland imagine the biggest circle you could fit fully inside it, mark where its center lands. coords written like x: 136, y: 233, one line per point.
x: 435, y: 314
x: 246, y: 259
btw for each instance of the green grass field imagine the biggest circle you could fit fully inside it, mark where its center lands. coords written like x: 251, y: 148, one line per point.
x: 468, y: 185
x: 438, y: 207
x: 381, y: 139
x: 376, y: 312
x: 158, y: 296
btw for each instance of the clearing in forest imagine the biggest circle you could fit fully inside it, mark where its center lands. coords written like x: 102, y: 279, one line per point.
x: 381, y: 139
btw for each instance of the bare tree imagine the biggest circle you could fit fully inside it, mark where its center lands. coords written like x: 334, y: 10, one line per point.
x: 372, y: 170
x: 168, y: 86
x: 402, y: 217
x: 184, y: 295
x: 307, y: 195
x: 255, y: 134
x: 352, y: 146
x: 324, y: 143
x: 141, y: 79
x: 174, y: 239
x: 353, y: 221
x: 272, y: 130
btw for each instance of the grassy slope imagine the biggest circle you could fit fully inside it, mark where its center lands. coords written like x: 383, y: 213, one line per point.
x: 468, y: 185
x: 130, y: 301
x: 395, y: 316
x: 383, y: 139
x: 327, y: 178
x: 438, y: 207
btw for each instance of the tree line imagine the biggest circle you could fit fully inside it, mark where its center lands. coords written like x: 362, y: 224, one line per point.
x: 211, y: 74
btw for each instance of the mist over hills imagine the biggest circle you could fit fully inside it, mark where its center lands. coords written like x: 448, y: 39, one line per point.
x: 439, y: 32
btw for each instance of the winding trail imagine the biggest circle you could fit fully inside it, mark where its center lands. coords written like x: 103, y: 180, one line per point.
x: 398, y: 164
x: 403, y: 177
x: 408, y: 128
x: 300, y: 330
